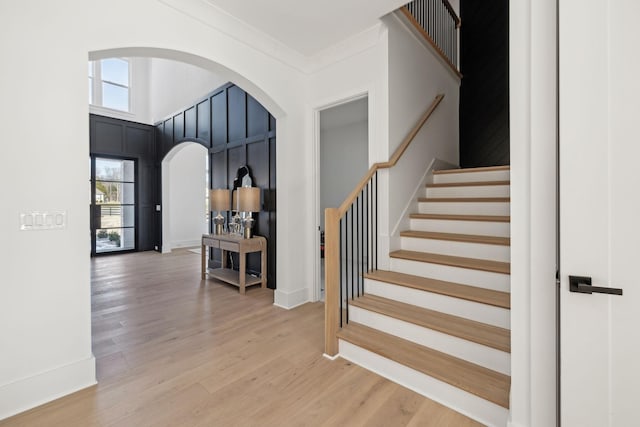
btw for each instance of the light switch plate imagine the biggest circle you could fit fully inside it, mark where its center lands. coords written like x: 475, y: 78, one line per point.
x: 43, y: 220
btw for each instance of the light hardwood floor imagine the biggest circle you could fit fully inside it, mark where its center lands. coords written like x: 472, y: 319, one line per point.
x: 173, y: 350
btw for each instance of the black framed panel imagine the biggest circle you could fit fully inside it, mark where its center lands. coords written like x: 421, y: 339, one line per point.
x: 238, y: 131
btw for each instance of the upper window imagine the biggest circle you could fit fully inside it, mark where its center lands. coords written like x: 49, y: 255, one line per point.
x: 109, y: 83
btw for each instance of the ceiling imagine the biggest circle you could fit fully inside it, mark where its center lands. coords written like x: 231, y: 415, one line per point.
x: 308, y: 26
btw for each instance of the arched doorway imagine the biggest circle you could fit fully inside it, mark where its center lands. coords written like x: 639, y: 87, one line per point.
x: 185, y: 185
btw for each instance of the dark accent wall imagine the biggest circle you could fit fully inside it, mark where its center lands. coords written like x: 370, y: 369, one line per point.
x: 111, y: 137
x: 237, y: 130
x: 484, y: 93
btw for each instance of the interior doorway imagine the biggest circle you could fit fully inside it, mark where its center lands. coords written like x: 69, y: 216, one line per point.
x: 343, y: 159
x: 185, y: 192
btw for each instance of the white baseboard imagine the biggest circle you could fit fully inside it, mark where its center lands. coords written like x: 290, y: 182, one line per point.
x: 186, y: 244
x: 36, y: 390
x: 289, y: 300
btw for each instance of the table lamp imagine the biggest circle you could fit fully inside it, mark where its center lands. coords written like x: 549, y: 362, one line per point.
x: 219, y: 201
x: 248, y: 201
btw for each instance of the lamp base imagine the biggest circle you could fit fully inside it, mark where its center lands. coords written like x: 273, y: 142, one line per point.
x: 219, y: 224
x: 247, y: 228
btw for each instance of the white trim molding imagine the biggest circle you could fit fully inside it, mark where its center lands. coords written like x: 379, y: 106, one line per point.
x: 38, y: 389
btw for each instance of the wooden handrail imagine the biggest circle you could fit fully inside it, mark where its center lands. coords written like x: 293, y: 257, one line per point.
x: 429, y: 40
x: 393, y: 160
x: 452, y: 12
x: 332, y: 236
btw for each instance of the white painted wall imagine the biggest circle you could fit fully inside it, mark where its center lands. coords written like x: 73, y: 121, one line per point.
x: 353, y: 69
x: 343, y: 157
x: 45, y: 309
x: 416, y: 76
x: 183, y: 202
x: 175, y: 85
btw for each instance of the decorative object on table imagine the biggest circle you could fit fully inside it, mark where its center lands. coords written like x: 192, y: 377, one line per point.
x: 219, y: 200
x: 248, y: 202
x: 235, y: 224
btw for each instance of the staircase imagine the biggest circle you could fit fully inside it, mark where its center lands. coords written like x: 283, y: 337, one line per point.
x: 438, y: 321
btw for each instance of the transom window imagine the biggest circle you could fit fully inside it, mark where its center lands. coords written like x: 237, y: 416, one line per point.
x: 109, y: 83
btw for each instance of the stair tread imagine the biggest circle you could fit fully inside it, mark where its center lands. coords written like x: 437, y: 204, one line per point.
x: 485, y: 383
x: 482, y: 218
x: 464, y: 199
x: 468, y: 184
x: 470, y: 330
x: 468, y: 170
x: 454, y: 261
x: 456, y: 290
x: 470, y: 238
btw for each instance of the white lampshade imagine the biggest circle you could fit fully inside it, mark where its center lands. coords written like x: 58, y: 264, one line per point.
x: 219, y: 199
x: 249, y: 199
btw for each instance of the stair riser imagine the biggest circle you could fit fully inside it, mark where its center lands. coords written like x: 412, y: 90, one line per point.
x: 472, y: 191
x: 459, y: 400
x: 491, y: 358
x: 465, y: 276
x: 465, y: 208
x: 463, y: 249
x: 499, y: 175
x: 479, y: 312
x: 478, y: 228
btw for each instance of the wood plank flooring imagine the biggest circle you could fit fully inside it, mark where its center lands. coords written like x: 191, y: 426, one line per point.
x: 173, y: 350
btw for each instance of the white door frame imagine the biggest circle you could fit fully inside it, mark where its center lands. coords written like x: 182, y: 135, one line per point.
x: 533, y: 145
x: 317, y: 282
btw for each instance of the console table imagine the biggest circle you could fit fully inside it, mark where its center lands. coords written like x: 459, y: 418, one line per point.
x: 235, y: 243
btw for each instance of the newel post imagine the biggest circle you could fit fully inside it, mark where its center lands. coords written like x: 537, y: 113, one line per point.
x: 332, y: 280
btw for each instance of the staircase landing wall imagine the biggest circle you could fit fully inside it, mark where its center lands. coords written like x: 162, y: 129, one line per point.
x: 416, y: 75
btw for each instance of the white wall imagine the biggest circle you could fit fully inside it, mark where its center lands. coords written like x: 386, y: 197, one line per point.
x: 183, y: 202
x: 344, y: 159
x: 175, y: 85
x: 45, y: 307
x: 416, y: 75
x: 355, y: 68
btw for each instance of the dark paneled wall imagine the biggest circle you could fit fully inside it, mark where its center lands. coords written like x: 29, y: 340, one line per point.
x: 484, y: 93
x: 122, y: 139
x: 237, y: 130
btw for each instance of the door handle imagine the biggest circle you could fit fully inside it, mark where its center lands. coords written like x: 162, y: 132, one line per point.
x: 582, y: 285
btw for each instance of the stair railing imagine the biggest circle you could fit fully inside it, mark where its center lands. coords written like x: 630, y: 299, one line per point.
x: 351, y: 241
x: 439, y: 25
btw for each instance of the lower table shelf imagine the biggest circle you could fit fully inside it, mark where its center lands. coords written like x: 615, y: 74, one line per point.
x: 232, y: 276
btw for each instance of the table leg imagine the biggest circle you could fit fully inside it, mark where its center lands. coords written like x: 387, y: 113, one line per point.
x: 243, y: 261
x: 203, y: 255
x: 263, y: 266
